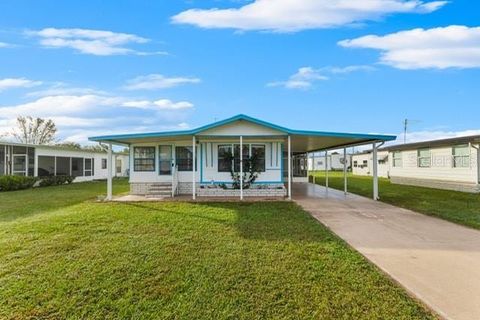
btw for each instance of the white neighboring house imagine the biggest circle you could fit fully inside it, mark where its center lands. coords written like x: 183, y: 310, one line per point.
x: 316, y: 161
x: 451, y: 164
x: 199, y: 161
x: 362, y: 164
x: 44, y: 160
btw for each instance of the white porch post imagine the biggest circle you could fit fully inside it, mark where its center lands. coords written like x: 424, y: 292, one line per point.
x: 326, y: 173
x: 375, y: 172
x: 194, y: 173
x: 289, y: 168
x: 241, y: 167
x: 109, y: 172
x: 345, y: 186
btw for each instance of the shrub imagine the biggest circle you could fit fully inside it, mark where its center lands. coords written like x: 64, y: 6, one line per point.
x: 55, y: 180
x: 12, y: 183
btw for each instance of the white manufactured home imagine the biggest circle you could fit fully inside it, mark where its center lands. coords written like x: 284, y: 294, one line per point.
x: 45, y: 160
x: 203, y: 161
x: 362, y: 164
x: 451, y: 164
x: 336, y: 161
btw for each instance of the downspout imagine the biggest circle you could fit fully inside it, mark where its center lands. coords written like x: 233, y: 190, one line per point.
x: 478, y: 162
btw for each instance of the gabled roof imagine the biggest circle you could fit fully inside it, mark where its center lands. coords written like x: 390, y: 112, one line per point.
x: 242, y: 117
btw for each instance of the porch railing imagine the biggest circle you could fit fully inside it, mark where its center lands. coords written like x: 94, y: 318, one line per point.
x: 174, y: 180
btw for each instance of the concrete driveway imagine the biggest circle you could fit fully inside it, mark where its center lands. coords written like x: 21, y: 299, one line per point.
x: 435, y: 260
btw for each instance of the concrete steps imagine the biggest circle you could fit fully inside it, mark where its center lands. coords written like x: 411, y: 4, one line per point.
x: 159, y: 190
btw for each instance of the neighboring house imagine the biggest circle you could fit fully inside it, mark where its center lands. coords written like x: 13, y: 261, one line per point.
x: 362, y: 164
x: 199, y: 161
x: 44, y: 160
x: 443, y: 164
x: 316, y: 161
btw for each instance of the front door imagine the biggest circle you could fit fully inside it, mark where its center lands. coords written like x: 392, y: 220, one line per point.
x: 165, y: 158
x: 19, y: 165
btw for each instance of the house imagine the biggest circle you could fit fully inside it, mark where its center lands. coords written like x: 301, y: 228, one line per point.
x: 201, y: 162
x: 45, y: 160
x: 362, y: 163
x: 316, y: 161
x: 450, y: 164
x: 444, y: 164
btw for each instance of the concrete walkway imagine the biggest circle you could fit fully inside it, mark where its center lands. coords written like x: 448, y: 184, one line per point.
x: 435, y: 260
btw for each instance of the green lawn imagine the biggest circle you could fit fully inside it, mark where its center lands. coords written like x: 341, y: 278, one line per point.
x: 89, y: 260
x: 23, y: 203
x: 458, y: 207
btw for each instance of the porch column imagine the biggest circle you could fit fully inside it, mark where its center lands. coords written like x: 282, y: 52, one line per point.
x: 289, y: 168
x: 375, y: 172
x: 345, y: 186
x: 109, y: 172
x: 326, y: 173
x: 241, y: 167
x: 194, y: 173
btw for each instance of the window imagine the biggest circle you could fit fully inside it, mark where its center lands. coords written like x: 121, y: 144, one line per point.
x: 144, y: 159
x: 355, y: 164
x: 88, y: 167
x: 46, y: 166
x: 31, y: 161
x: 224, y: 158
x: 461, y: 156
x: 258, y: 151
x: 104, y: 163
x: 236, y: 157
x: 77, y: 167
x: 184, y: 158
x: 424, y: 158
x: 365, y: 164
x: 63, y: 166
x: 397, y: 159
x: 165, y: 160
x: 118, y: 166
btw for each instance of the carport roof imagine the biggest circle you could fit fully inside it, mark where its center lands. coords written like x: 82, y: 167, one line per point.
x: 302, y: 140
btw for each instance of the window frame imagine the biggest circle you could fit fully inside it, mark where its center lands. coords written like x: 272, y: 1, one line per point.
x: 235, y: 161
x: 178, y: 163
x: 395, y: 158
x: 223, y: 159
x: 420, y: 158
x: 146, y: 166
x: 465, y: 164
x: 104, y: 163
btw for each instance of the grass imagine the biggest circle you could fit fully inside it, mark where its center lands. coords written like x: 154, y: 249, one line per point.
x: 90, y: 260
x: 23, y: 203
x: 459, y: 207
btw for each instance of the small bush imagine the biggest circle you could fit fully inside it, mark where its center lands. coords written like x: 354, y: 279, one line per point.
x: 56, y: 180
x: 12, y: 183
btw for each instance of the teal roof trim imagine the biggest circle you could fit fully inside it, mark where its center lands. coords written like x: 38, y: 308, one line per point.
x: 197, y: 131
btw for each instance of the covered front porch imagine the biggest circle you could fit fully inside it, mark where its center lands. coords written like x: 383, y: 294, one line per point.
x: 215, y: 161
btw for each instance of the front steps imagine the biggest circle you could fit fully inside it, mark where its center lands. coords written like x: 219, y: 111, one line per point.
x: 159, y: 190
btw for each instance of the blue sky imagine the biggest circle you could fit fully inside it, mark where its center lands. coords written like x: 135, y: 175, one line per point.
x: 102, y: 67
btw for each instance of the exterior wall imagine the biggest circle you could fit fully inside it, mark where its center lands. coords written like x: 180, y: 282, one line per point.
x: 207, y: 162
x: 441, y: 169
x: 360, y: 169
x: 244, y: 128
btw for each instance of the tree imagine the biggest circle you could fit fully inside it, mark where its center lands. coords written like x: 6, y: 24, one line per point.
x: 70, y: 145
x: 35, y: 130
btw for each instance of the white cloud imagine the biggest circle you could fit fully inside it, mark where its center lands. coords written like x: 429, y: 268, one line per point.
x: 417, y: 136
x: 162, y: 104
x: 5, y: 45
x: 14, y: 83
x: 158, y: 81
x: 86, y: 41
x: 302, y: 79
x: 296, y: 15
x: 439, y: 48
x: 305, y: 77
